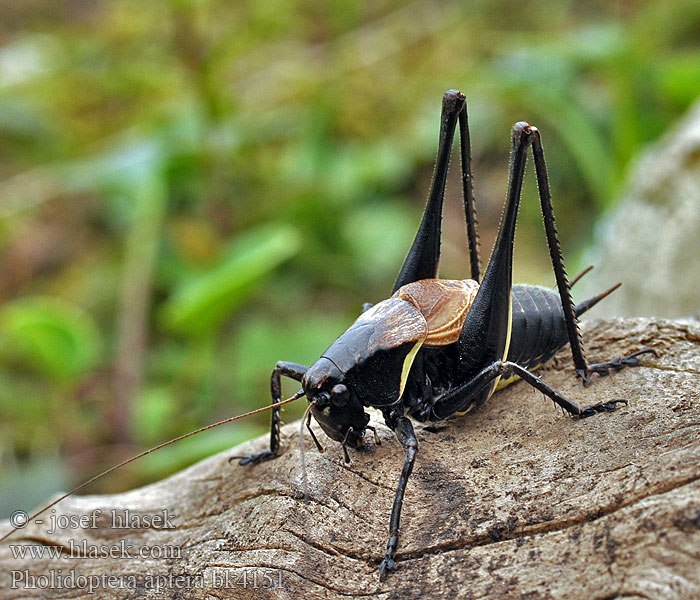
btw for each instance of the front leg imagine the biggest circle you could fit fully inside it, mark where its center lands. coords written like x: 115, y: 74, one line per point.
x: 404, y: 432
x: 288, y: 369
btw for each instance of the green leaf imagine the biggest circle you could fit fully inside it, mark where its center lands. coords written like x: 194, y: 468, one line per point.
x: 52, y: 336
x: 201, y: 304
x: 155, y: 407
x: 378, y: 236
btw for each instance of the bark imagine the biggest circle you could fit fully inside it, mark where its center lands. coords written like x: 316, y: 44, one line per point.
x: 513, y: 500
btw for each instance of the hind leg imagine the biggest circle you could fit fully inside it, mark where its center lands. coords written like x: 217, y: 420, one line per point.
x: 423, y: 257
x: 583, y: 369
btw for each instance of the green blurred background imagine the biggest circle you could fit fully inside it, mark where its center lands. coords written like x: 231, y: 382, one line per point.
x: 191, y: 190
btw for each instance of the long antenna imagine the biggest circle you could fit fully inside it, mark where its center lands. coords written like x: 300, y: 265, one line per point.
x: 299, y: 394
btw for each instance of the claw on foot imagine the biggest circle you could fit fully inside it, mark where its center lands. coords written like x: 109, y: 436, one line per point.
x: 253, y: 459
x: 589, y: 411
x: 584, y: 375
x: 387, y: 564
x: 617, y: 364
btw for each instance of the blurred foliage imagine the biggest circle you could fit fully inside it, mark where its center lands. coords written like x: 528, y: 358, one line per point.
x: 191, y: 190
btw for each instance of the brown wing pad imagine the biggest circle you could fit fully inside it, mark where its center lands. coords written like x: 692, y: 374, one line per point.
x: 376, y: 353
x: 393, y: 324
x: 444, y: 303
x: 384, y: 328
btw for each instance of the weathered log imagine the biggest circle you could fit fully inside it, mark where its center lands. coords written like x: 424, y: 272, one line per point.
x: 511, y: 501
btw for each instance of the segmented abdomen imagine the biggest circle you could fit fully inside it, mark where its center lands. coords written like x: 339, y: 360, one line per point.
x: 538, y: 328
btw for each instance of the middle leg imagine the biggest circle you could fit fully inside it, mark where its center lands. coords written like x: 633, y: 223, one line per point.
x: 456, y: 400
x: 474, y: 390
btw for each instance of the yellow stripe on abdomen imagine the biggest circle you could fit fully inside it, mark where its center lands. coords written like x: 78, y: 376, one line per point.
x: 498, y: 383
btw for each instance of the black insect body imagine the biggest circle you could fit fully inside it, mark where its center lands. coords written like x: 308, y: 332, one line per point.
x: 439, y: 347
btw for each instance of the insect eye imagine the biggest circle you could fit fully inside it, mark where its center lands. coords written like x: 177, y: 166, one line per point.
x: 340, y: 395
